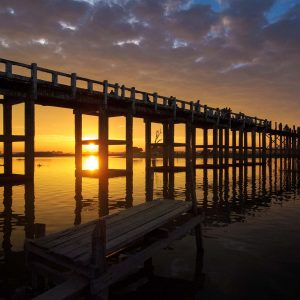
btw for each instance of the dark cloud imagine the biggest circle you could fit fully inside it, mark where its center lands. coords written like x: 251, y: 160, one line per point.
x: 229, y: 58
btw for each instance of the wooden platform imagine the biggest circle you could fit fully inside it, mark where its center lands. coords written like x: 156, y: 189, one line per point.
x: 72, y: 252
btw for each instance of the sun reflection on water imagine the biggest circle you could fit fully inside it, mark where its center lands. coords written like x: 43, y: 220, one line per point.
x: 91, y: 163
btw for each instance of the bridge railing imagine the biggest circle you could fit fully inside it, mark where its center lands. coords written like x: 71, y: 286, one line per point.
x: 115, y: 90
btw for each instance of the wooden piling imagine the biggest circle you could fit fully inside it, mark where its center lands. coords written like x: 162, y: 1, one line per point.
x: 241, y: 138
x: 253, y: 144
x: 245, y: 147
x: 171, y: 145
x: 226, y: 151
x: 264, y: 147
x: 205, y: 143
x: 29, y: 137
x: 188, y: 155
x: 129, y: 144
x: 221, y: 146
x: 166, y: 144
x: 78, y: 144
x: 215, y: 145
x: 233, y: 133
x: 7, y: 131
x: 103, y: 142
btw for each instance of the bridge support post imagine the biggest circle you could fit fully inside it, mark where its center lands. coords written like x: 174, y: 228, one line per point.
x: 253, y: 144
x: 188, y: 152
x: 171, y: 146
x: 245, y: 147
x: 129, y: 160
x: 221, y: 146
x: 233, y: 151
x: 205, y: 143
x: 29, y: 138
x: 166, y: 145
x: 264, y: 147
x: 103, y: 161
x: 215, y: 145
x: 193, y: 132
x: 7, y: 131
x: 78, y: 143
x: 270, y: 145
x: 241, y: 138
x: 129, y: 144
x: 226, y: 152
x: 148, y: 172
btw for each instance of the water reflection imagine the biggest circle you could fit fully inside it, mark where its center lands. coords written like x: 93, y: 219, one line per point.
x: 226, y: 196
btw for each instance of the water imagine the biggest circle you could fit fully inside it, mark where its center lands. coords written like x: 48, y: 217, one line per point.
x: 251, y: 232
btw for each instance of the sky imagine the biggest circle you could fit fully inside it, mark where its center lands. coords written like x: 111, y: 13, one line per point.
x: 243, y: 54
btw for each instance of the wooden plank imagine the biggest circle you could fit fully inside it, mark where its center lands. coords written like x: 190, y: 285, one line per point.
x: 70, y: 289
x: 116, y: 272
x: 59, y: 237
x: 78, y: 248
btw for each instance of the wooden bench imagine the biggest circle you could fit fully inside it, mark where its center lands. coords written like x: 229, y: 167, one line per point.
x: 89, y: 253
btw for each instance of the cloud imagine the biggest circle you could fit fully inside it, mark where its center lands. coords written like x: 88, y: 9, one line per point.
x: 188, y: 48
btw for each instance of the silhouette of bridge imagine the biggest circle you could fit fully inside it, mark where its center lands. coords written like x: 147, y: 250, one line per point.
x: 242, y: 139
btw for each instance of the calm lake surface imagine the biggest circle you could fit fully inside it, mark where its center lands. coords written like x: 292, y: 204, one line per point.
x: 251, y: 233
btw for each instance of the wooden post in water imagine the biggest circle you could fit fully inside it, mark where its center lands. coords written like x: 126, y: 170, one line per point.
x: 30, y: 125
x: 171, y: 145
x: 215, y: 145
x: 270, y: 145
x: 233, y: 151
x: 29, y: 138
x: 188, y: 162
x: 129, y: 160
x: 241, y: 138
x: 221, y: 145
x: 205, y: 143
x: 7, y: 132
x: 103, y: 131
x: 103, y: 142
x: 166, y: 145
x: 129, y: 144
x: 280, y: 141
x: 193, y: 132
x: 226, y: 152
x: 78, y: 142
x: 253, y: 144
x: 264, y: 147
x: 148, y: 171
x: 245, y: 147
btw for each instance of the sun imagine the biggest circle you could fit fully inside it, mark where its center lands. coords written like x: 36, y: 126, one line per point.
x: 91, y: 163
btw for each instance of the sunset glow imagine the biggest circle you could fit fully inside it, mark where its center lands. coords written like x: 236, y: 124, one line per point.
x: 91, y: 148
x: 91, y: 163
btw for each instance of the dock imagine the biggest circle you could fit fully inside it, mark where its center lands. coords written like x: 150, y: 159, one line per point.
x: 88, y: 258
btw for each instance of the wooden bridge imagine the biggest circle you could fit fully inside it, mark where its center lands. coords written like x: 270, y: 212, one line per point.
x: 245, y: 139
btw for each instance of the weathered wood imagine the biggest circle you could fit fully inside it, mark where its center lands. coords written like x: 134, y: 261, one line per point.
x: 215, y: 145
x: 253, y: 144
x: 116, y: 272
x: 75, y: 244
x: 129, y: 144
x: 205, y: 142
x: 7, y: 130
x: 29, y: 137
x: 98, y: 257
x: 78, y: 138
x: 103, y: 142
